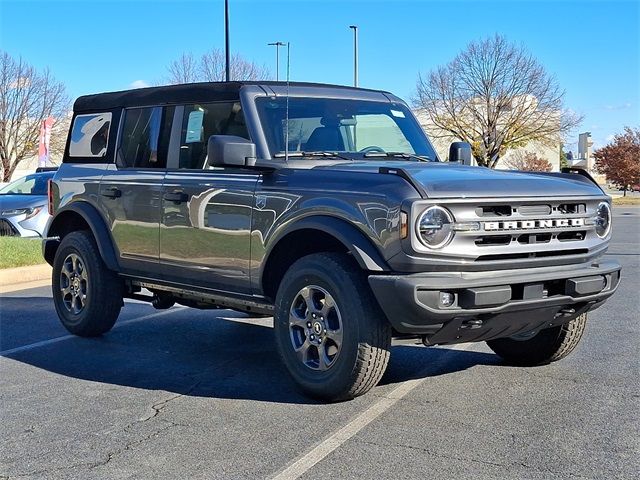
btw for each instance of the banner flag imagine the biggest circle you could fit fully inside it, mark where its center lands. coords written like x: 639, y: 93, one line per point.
x: 45, y: 137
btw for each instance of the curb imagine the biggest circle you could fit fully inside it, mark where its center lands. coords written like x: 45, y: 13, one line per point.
x: 16, y: 276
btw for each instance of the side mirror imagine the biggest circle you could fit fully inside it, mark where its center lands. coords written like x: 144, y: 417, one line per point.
x: 460, y: 152
x: 225, y: 150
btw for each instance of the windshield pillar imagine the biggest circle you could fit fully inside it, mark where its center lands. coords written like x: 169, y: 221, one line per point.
x: 248, y: 95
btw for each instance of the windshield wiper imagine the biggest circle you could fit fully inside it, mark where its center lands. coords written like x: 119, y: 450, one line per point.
x: 398, y: 155
x: 312, y: 154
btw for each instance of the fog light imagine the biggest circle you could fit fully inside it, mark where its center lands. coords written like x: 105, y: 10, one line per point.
x: 447, y: 299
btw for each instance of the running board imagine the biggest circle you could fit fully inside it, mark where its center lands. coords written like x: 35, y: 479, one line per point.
x: 202, y: 299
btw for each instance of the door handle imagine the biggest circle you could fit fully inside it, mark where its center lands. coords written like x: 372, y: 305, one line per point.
x: 111, y: 192
x: 177, y: 197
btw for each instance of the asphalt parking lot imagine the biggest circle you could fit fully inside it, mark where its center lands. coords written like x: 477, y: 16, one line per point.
x: 201, y: 394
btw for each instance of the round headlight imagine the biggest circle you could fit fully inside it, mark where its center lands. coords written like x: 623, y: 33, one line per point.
x: 435, y: 227
x: 603, y: 219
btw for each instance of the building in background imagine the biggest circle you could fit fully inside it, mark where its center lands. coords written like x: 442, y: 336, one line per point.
x: 585, y: 157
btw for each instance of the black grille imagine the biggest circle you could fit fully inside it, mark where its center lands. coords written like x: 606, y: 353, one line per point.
x: 514, y: 256
x: 7, y: 230
x: 494, y: 211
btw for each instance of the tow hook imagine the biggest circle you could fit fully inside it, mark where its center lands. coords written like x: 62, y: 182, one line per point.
x: 471, y: 324
x: 565, y: 312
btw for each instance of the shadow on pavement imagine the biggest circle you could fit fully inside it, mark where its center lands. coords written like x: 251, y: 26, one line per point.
x: 194, y: 352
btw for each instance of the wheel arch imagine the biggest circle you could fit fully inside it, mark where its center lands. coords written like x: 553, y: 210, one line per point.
x: 80, y: 216
x: 315, y: 234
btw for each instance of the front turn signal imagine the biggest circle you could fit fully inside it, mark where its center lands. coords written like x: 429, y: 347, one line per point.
x: 404, y: 225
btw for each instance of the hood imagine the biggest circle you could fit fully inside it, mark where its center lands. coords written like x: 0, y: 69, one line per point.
x: 11, y: 202
x: 446, y: 180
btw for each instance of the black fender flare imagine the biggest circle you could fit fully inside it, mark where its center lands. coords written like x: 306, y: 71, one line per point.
x: 363, y: 250
x: 98, y: 226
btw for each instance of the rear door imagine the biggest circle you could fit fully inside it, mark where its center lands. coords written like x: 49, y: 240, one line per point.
x: 206, y: 212
x: 131, y: 188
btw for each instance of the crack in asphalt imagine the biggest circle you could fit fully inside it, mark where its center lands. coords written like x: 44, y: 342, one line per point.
x: 468, y: 459
x: 99, y: 463
x: 130, y: 445
x: 157, y: 408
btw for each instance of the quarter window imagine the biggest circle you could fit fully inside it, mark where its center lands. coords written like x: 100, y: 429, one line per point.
x: 200, y: 121
x: 90, y: 135
x: 145, y: 137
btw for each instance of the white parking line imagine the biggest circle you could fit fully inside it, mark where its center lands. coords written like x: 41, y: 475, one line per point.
x: 51, y: 341
x: 305, y: 462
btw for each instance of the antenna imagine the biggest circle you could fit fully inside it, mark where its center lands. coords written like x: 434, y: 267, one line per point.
x: 286, y: 132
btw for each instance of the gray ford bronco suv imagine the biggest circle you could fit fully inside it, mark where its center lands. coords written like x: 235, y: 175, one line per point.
x: 328, y: 208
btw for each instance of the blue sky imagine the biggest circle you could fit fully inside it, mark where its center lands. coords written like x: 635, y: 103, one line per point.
x: 592, y: 47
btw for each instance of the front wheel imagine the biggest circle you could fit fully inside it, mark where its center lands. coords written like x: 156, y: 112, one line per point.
x: 546, y: 346
x: 331, y: 334
x: 87, y: 295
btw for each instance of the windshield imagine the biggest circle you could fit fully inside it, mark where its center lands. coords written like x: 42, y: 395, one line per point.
x: 359, y: 127
x: 35, y: 184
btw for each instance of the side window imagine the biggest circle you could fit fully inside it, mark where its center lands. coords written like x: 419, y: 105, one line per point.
x: 200, y: 121
x: 145, y: 137
x: 90, y: 135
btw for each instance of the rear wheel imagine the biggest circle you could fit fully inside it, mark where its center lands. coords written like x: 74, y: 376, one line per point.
x: 331, y: 334
x: 546, y: 346
x: 87, y: 295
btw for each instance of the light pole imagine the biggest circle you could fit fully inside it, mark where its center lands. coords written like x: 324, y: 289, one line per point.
x: 277, y: 45
x: 227, y: 66
x: 355, y: 54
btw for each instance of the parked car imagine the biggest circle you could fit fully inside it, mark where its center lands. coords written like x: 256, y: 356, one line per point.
x: 328, y: 208
x: 23, y: 205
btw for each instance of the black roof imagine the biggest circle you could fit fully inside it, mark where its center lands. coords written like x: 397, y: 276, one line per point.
x: 182, y: 93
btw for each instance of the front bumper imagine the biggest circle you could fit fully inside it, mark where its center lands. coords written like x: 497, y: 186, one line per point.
x: 492, y: 304
x: 11, y: 227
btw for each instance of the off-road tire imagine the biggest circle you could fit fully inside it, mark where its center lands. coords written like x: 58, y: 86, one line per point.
x: 366, y: 333
x: 103, y: 288
x: 548, y: 345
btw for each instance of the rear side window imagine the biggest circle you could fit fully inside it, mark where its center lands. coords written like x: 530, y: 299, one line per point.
x: 90, y: 135
x: 145, y: 137
x: 203, y: 120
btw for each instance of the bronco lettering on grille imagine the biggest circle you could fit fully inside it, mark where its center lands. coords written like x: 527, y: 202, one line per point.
x: 531, y: 224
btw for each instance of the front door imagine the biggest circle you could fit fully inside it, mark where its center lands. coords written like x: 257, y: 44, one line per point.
x: 205, y: 233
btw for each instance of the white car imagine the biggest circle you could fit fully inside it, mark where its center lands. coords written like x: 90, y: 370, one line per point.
x: 23, y: 206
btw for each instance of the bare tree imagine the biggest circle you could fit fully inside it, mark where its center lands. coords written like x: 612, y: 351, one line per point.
x: 211, y: 68
x: 183, y: 70
x: 27, y: 98
x: 495, y: 96
x: 528, y: 162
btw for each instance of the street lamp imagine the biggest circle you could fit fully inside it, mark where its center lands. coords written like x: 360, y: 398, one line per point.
x: 355, y: 54
x: 277, y: 45
x: 227, y: 54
